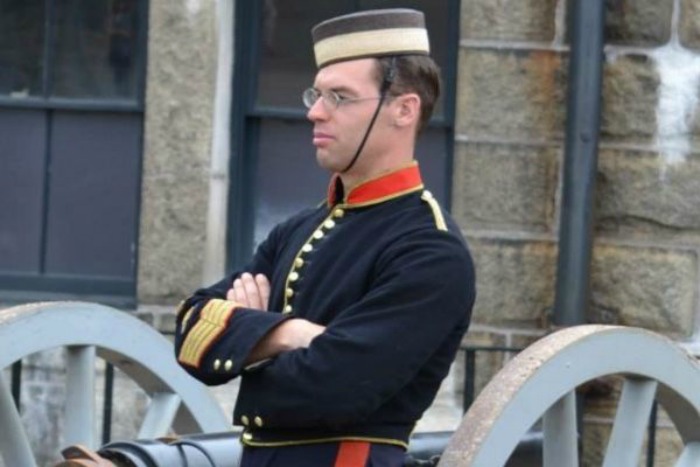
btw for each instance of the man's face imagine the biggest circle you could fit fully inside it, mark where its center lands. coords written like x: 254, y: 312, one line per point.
x: 338, y: 132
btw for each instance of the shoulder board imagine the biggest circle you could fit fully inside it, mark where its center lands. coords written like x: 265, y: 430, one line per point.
x: 435, y: 207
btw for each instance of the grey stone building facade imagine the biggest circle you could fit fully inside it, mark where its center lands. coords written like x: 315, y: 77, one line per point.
x: 506, y: 174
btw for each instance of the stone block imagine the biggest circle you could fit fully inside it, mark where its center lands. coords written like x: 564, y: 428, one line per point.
x: 667, y: 449
x: 595, y: 438
x: 689, y: 27
x: 677, y: 106
x: 180, y: 88
x: 525, y: 20
x: 638, y: 22
x: 487, y: 362
x: 648, y: 194
x: 652, y: 288
x: 511, y: 94
x: 129, y: 407
x: 173, y: 223
x: 505, y: 186
x: 522, y: 341
x: 630, y: 97
x: 515, y: 282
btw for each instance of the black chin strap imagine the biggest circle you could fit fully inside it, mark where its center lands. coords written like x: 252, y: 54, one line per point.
x: 383, y: 91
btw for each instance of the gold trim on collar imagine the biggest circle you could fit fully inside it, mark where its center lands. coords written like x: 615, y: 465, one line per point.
x: 381, y: 200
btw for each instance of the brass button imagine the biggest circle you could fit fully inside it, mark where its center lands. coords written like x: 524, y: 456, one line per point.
x: 307, y: 248
x: 217, y: 364
x: 329, y: 224
x: 338, y: 213
x: 258, y: 421
x: 289, y: 293
x: 288, y: 309
x: 228, y: 365
x: 247, y: 436
x: 244, y: 420
x: 298, y: 263
x: 318, y: 235
x: 293, y: 276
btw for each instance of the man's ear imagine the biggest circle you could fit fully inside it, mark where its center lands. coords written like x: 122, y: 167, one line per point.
x: 407, y: 110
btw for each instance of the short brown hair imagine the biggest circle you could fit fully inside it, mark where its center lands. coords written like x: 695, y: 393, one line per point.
x: 413, y: 73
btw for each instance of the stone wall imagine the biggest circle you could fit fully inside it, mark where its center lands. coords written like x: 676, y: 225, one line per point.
x: 180, y: 95
x: 512, y: 86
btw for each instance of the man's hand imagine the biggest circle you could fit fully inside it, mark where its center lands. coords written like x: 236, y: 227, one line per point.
x: 251, y: 292
x: 295, y: 333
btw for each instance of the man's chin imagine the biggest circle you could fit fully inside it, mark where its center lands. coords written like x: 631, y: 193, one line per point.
x: 327, y: 162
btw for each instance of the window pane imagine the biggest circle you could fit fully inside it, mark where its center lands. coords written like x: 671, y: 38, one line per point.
x: 96, y: 48
x: 21, y: 47
x: 287, y: 178
x: 431, y: 153
x: 91, y: 218
x: 22, y: 172
x: 287, y: 64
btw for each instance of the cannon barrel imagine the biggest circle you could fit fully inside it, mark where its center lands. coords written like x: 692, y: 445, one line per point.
x: 213, y: 450
x: 224, y: 450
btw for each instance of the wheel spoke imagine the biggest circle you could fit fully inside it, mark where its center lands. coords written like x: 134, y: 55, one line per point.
x: 80, y: 396
x: 690, y: 457
x: 160, y: 415
x: 14, y: 445
x: 631, y: 420
x: 560, y: 433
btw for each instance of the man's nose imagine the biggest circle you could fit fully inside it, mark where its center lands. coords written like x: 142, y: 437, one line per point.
x: 317, y: 111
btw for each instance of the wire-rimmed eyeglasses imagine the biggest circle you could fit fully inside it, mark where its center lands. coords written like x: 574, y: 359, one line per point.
x: 331, y: 99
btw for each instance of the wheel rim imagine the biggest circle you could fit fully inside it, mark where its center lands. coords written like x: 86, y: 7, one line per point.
x: 90, y: 331
x: 539, y: 383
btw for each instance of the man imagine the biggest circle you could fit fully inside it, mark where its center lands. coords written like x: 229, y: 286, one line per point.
x: 349, y: 315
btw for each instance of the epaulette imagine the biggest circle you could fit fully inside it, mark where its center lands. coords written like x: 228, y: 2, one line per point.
x: 435, y: 207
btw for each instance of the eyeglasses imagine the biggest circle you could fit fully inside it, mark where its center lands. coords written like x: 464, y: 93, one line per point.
x: 331, y: 99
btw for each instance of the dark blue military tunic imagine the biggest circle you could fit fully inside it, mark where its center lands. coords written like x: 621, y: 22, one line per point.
x: 388, y: 273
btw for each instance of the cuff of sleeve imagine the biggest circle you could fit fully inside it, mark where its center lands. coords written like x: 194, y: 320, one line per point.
x: 211, y: 324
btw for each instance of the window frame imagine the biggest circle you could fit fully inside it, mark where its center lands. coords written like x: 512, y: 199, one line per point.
x: 16, y: 287
x: 49, y: 102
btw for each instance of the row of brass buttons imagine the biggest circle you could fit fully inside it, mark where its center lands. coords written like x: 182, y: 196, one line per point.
x: 308, y: 247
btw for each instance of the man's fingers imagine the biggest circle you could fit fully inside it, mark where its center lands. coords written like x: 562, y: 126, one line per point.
x: 264, y: 290
x: 251, y: 291
x: 239, y: 292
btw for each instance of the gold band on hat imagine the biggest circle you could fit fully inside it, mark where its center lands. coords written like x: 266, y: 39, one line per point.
x: 371, y: 44
x: 373, y: 33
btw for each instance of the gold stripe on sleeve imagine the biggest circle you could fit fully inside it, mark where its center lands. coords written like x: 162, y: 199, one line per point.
x: 211, y: 324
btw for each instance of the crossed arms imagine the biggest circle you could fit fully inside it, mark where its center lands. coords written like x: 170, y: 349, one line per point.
x: 254, y: 292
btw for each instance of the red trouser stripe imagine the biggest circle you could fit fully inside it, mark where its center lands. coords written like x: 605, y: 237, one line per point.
x: 352, y: 454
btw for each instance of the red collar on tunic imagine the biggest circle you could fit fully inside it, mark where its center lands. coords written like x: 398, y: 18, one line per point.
x: 377, y: 190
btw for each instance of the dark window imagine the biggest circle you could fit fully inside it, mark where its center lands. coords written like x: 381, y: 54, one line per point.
x: 21, y: 47
x: 274, y: 168
x: 71, y: 122
x: 88, y: 49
